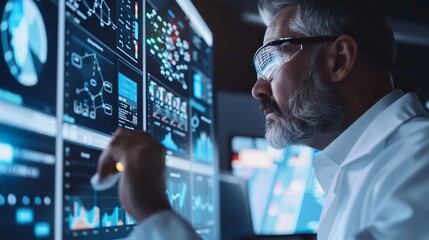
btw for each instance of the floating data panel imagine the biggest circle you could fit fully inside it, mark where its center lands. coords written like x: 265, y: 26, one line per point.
x: 179, y: 113
x: 203, y: 205
x: 27, y: 184
x: 115, y: 23
x: 29, y: 36
x: 201, y: 122
x: 168, y: 117
x: 178, y: 191
x: 73, y: 71
x: 89, y: 214
x: 103, y: 90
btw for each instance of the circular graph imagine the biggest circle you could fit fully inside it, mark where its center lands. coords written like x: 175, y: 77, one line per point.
x: 24, y: 40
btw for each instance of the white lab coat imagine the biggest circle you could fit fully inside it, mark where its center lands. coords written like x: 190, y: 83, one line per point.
x: 376, y: 174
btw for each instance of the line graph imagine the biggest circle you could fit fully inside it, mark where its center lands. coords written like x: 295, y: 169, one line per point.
x: 178, y: 192
x: 203, y: 202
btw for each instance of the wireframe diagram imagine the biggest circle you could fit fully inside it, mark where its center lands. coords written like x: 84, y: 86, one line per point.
x: 94, y: 87
x: 90, y: 87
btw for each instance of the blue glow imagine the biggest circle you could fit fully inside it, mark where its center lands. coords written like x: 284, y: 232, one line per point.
x: 82, y: 218
x: 11, y: 97
x: 24, y: 216
x: 42, y: 230
x: 198, y: 106
x: 26, y: 200
x: 6, y: 153
x: 127, y: 87
x: 201, y: 208
x: 129, y: 220
x: 37, y: 200
x: 203, y: 149
x: 177, y: 192
x: 2, y: 200
x: 198, y: 87
x: 169, y: 143
x: 136, y: 30
x: 114, y: 220
x: 16, y: 14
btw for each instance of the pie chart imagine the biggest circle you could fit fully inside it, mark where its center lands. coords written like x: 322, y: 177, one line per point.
x: 24, y: 41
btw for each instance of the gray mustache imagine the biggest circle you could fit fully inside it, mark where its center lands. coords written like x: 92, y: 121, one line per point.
x: 267, y: 105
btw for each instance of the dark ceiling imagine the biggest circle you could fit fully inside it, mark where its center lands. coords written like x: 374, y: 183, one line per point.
x: 238, y: 32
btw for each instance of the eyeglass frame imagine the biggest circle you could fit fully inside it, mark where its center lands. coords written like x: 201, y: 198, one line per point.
x: 290, y: 40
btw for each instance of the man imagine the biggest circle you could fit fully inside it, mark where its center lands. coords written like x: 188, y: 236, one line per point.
x: 323, y: 81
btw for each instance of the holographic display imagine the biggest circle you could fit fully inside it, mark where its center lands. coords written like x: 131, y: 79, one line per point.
x: 115, y: 23
x: 179, y: 98
x: 201, y: 133
x: 27, y: 177
x: 28, y: 64
x: 90, y: 92
x: 167, y: 116
x: 129, y: 96
x: 203, y: 206
x: 178, y: 191
x: 74, y: 71
x: 89, y: 214
x: 168, y: 45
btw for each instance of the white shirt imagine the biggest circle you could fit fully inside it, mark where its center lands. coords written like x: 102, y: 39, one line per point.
x: 376, y: 174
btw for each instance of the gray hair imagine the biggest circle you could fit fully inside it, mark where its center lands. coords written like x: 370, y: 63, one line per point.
x: 361, y: 19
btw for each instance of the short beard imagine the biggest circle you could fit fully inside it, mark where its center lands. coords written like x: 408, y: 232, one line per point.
x: 314, y: 109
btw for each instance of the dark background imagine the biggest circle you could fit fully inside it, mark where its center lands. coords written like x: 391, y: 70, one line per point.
x: 238, y: 33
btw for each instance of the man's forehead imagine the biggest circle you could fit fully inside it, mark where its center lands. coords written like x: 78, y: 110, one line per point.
x: 279, y: 26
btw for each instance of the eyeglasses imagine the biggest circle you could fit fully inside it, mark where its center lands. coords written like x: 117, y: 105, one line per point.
x: 273, y: 54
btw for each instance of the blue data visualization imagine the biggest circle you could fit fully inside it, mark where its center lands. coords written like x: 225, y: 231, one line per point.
x: 72, y: 73
x: 178, y: 191
x: 293, y: 201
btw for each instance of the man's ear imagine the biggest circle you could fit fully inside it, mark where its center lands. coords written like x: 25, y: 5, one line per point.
x: 341, y: 57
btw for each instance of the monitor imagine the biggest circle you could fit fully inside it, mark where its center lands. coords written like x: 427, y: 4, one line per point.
x: 285, y: 197
x: 236, y: 219
x: 72, y: 72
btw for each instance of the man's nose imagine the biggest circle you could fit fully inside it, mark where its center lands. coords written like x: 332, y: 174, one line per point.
x: 261, y: 89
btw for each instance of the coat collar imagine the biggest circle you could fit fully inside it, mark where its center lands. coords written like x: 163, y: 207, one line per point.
x: 365, y: 133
